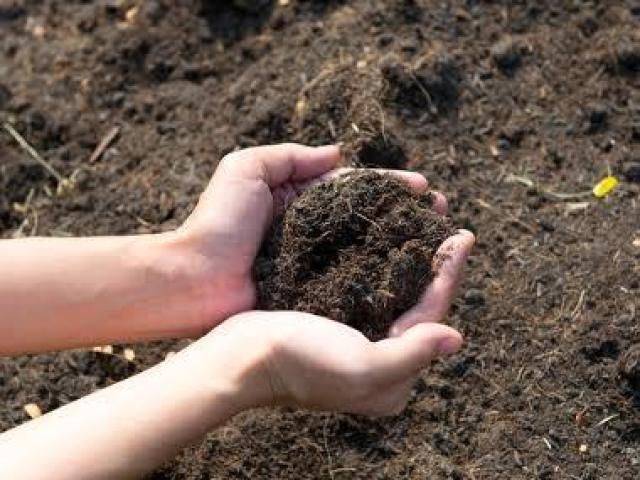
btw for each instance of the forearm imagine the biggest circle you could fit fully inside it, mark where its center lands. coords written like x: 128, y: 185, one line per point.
x: 60, y: 293
x: 128, y: 429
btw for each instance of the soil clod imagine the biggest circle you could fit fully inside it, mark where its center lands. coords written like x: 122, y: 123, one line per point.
x: 631, y: 172
x: 383, y: 150
x: 629, y: 370
x: 357, y: 249
x: 628, y: 56
x: 475, y: 297
x: 431, y: 86
x: 597, y: 118
x: 507, y: 55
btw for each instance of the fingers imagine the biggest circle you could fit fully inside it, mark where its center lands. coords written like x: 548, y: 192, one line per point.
x: 449, y: 265
x: 400, y: 358
x: 440, y: 204
x: 276, y: 164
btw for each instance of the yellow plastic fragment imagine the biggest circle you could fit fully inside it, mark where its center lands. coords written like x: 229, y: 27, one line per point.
x: 605, y: 186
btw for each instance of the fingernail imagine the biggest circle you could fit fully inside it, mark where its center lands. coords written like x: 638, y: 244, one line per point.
x: 465, y: 232
x: 449, y: 346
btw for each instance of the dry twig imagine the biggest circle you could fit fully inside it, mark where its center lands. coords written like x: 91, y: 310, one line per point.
x: 33, y: 153
x: 64, y: 184
x: 106, y: 141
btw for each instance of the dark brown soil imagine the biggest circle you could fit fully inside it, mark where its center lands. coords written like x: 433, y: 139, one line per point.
x: 357, y: 249
x: 535, y: 90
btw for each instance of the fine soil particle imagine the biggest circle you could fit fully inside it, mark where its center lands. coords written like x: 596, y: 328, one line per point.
x: 357, y: 249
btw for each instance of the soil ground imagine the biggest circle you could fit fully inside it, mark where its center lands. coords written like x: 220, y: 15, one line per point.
x: 505, y: 106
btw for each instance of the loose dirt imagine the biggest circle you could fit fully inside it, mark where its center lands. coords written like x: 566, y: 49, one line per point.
x: 497, y: 103
x: 357, y: 249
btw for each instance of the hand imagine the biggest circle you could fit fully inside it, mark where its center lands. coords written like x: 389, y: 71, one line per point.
x: 302, y: 360
x: 235, y: 211
x: 248, y: 188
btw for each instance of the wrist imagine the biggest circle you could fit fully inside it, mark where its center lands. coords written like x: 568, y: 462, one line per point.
x: 212, y: 279
x: 175, y: 292
x: 229, y: 366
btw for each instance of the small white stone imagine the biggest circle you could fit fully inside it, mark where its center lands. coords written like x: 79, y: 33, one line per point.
x: 32, y: 410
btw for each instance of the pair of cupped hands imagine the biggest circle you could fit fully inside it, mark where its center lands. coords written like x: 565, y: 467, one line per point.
x: 295, y: 358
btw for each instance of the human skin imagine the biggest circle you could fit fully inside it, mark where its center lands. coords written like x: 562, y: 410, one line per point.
x: 63, y: 293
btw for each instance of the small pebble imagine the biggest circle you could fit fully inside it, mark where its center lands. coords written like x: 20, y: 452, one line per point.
x: 631, y: 172
x: 628, y: 55
x: 629, y: 368
x: 475, y: 297
x: 506, y: 55
x: 129, y: 354
x: 597, y: 117
x: 32, y: 410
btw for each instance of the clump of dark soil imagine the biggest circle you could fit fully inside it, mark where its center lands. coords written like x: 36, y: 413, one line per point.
x: 596, y: 118
x: 342, y: 104
x: 382, y: 150
x: 631, y: 172
x: 430, y: 86
x: 629, y: 371
x: 623, y: 51
x: 357, y: 249
x: 361, y: 104
x: 628, y: 56
x: 507, y: 55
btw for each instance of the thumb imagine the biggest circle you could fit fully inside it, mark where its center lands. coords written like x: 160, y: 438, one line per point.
x: 437, y: 298
x: 238, y: 200
x: 399, y: 358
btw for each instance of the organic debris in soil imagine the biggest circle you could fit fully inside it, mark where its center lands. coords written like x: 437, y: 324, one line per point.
x: 357, y: 249
x: 342, y: 104
x: 345, y: 103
